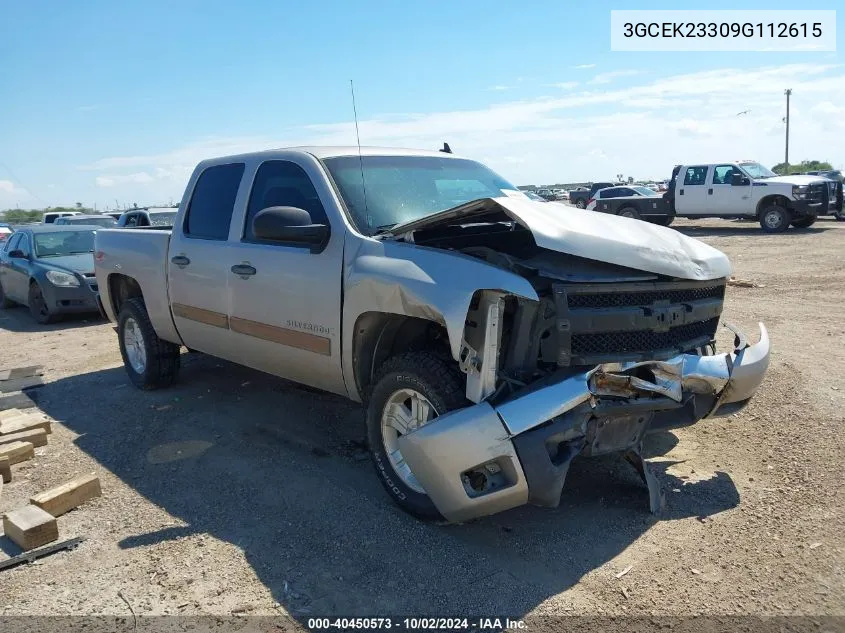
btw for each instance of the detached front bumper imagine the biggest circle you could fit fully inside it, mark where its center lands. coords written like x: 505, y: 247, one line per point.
x: 484, y: 459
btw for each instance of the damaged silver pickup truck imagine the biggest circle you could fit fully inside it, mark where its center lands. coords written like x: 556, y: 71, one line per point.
x: 492, y: 338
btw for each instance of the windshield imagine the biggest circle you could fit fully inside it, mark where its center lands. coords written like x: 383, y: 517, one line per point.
x: 60, y: 243
x: 400, y: 189
x: 645, y: 191
x: 104, y: 222
x: 756, y: 170
x: 162, y: 218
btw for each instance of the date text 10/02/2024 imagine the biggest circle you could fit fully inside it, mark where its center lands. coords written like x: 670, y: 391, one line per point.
x: 416, y: 624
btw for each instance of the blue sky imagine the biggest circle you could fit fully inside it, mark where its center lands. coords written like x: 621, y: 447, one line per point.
x: 106, y: 101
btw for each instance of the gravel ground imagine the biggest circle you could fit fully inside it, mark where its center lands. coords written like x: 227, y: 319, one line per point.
x: 235, y: 492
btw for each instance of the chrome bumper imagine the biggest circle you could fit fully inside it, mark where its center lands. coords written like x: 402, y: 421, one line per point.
x: 483, y: 459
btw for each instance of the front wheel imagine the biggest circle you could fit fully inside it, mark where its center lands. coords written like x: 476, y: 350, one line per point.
x: 775, y: 219
x: 840, y: 216
x: 150, y: 362
x: 5, y: 302
x: 804, y: 223
x: 38, y: 307
x: 411, y: 390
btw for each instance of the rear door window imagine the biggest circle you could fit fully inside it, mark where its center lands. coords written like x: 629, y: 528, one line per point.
x: 210, y: 209
x: 695, y: 175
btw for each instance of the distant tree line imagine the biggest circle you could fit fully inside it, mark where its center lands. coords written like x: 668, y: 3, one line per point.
x: 26, y: 216
x: 782, y: 169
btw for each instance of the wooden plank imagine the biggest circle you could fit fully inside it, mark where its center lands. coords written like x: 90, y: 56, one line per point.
x: 16, y: 401
x: 5, y: 470
x: 8, y: 414
x: 68, y: 495
x: 21, y: 372
x: 19, y: 384
x: 30, y: 527
x: 25, y: 422
x: 36, y: 437
x: 17, y: 452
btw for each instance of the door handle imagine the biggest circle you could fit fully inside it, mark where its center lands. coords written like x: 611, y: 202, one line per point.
x: 180, y: 260
x: 243, y: 270
x: 681, y: 192
x: 710, y: 191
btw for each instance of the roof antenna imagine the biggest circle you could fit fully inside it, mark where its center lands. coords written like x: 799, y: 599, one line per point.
x: 360, y: 158
x: 446, y: 149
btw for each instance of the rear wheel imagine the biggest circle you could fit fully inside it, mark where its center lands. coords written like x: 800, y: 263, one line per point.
x: 411, y: 390
x: 840, y: 215
x: 38, y: 307
x: 663, y: 221
x: 150, y: 362
x: 629, y: 212
x: 775, y: 219
x: 581, y: 204
x: 803, y: 223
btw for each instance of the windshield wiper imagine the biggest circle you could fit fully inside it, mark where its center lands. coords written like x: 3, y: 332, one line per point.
x: 384, y: 228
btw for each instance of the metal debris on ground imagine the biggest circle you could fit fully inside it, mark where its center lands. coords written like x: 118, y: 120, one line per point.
x: 744, y: 283
x: 28, y: 557
x: 624, y: 571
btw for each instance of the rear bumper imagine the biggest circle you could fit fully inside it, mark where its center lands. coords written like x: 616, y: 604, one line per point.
x: 484, y: 459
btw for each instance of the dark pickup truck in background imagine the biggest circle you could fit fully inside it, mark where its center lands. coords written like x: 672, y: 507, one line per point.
x: 580, y: 198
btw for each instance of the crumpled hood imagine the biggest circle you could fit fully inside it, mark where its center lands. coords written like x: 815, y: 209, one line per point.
x: 598, y: 236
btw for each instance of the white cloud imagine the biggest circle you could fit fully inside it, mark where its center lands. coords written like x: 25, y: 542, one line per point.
x: 564, y: 85
x: 8, y: 187
x: 499, y: 87
x: 642, y: 130
x: 584, y: 66
x: 606, y: 78
x: 139, y: 178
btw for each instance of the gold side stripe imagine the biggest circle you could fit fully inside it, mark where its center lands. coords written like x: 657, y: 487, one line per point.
x: 208, y: 317
x: 283, y: 336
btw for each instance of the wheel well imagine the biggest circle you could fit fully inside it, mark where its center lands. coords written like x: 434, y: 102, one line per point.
x: 777, y: 199
x: 122, y: 288
x: 379, y: 335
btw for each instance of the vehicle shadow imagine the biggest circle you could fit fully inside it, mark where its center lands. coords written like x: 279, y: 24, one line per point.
x: 281, y: 474
x: 743, y: 228
x: 18, y: 319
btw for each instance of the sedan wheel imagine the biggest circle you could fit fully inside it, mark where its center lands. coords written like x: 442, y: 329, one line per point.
x: 38, y: 307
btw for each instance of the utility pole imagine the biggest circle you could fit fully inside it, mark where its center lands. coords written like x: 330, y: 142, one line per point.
x: 787, y: 92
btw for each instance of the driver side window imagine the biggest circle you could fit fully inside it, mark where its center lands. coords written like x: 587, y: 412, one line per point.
x: 281, y: 183
x: 722, y: 174
x: 24, y: 245
x: 12, y: 244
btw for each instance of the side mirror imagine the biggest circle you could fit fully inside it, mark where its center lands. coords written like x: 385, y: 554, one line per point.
x: 738, y: 180
x: 289, y: 224
x: 16, y: 254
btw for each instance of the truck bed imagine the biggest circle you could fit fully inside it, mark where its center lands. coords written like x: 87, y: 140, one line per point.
x: 652, y: 208
x: 145, y: 253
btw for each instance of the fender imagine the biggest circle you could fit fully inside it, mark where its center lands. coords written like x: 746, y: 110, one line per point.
x: 416, y: 281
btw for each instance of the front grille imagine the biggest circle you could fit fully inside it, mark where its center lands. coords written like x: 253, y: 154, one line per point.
x: 675, y: 340
x: 643, y: 298
x: 818, y: 193
x: 624, y: 322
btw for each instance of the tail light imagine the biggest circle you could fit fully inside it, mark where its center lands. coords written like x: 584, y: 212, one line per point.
x: 99, y: 256
x: 590, y: 201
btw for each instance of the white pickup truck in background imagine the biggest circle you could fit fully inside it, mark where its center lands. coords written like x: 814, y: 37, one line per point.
x: 747, y: 189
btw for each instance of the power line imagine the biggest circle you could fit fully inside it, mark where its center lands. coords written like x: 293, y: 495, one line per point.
x: 23, y: 184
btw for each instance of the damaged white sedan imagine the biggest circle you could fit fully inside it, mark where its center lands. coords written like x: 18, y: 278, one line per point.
x: 492, y: 338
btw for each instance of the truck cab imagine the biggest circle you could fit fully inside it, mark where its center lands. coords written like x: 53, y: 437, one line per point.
x: 747, y: 189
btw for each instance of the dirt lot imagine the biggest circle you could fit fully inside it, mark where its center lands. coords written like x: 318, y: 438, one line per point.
x: 237, y: 492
